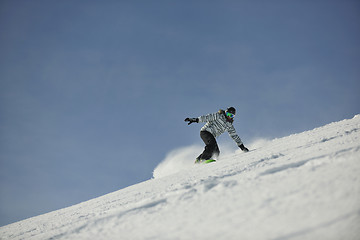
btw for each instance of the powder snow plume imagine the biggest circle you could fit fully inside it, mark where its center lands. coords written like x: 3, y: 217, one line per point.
x: 177, y: 160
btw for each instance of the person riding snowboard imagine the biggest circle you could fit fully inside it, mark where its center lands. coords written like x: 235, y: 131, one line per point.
x: 216, y: 124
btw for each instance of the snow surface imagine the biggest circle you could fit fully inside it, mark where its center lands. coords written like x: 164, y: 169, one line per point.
x: 304, y: 186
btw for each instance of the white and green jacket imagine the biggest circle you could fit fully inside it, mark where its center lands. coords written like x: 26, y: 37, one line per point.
x: 217, y: 123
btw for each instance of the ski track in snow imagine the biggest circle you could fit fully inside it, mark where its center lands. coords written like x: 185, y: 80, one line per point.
x: 304, y: 186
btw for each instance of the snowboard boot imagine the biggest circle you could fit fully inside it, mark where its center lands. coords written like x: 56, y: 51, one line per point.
x: 198, y: 160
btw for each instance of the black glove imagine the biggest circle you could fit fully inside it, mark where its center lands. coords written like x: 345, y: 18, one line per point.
x: 191, y: 120
x: 243, y: 148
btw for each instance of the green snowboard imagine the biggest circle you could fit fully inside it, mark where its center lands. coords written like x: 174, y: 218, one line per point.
x: 205, y: 161
x: 209, y: 161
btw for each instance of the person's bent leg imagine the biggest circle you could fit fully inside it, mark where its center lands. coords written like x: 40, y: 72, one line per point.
x: 211, y: 147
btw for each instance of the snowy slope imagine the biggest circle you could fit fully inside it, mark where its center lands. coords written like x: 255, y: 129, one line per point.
x: 304, y: 186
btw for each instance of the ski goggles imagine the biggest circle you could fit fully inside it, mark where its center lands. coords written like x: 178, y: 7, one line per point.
x: 230, y: 115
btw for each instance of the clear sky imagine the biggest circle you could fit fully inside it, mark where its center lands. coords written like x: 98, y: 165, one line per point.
x: 93, y: 94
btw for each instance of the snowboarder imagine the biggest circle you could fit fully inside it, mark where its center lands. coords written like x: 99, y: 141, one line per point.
x: 216, y: 124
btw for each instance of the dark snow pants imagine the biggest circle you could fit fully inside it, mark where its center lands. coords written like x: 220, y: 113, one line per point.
x: 211, y: 148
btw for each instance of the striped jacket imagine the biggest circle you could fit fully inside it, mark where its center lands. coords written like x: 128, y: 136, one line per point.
x: 217, y: 124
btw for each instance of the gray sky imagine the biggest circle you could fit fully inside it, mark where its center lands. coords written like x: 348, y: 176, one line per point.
x: 93, y: 94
